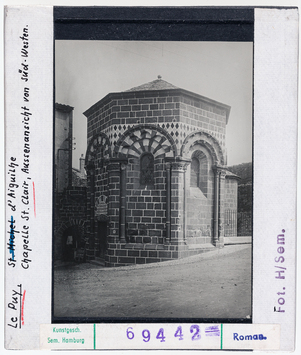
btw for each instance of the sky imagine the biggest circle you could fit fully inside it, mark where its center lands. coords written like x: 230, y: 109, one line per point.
x: 86, y: 71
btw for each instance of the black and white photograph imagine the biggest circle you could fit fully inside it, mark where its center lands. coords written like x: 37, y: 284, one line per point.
x: 150, y: 177
x: 153, y: 181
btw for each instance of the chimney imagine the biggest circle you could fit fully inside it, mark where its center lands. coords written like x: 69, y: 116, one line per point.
x: 82, y: 165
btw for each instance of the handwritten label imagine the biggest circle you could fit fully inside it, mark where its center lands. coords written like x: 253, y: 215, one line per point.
x: 16, y: 307
x: 11, y: 246
x: 28, y: 172
x: 20, y: 187
x: 12, y: 185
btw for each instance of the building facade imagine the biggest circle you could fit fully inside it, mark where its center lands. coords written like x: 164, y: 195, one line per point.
x: 157, y: 183
x: 69, y: 192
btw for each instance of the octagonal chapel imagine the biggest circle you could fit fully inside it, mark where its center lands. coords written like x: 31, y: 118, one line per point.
x: 157, y: 183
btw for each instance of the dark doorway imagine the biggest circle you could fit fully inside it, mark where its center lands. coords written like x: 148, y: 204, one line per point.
x: 102, y: 237
x: 71, y: 241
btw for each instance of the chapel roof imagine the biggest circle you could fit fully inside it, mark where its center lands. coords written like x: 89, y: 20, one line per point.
x: 157, y: 84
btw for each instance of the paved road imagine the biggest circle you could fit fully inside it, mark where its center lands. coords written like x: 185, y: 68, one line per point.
x: 212, y: 285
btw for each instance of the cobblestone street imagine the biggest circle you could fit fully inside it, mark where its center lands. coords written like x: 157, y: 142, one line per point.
x: 215, y: 284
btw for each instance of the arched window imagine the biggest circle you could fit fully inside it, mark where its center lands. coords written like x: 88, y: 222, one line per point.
x: 147, y: 169
x: 194, y: 172
x: 199, y: 171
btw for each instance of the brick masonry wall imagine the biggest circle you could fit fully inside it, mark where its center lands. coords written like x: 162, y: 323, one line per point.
x: 144, y: 253
x: 101, y: 188
x: 70, y: 211
x: 114, y: 204
x: 101, y: 194
x: 230, y: 194
x: 245, y: 186
x: 177, y: 204
x: 146, y: 206
x: 199, y: 212
x: 203, y: 117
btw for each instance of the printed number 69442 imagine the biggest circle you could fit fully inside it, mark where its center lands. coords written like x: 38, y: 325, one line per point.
x: 146, y: 335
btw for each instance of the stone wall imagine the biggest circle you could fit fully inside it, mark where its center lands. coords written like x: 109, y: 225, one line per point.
x: 199, y: 208
x: 146, y: 205
x: 244, y: 198
x: 231, y: 194
x: 245, y: 186
x: 70, y: 215
x: 63, y: 146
